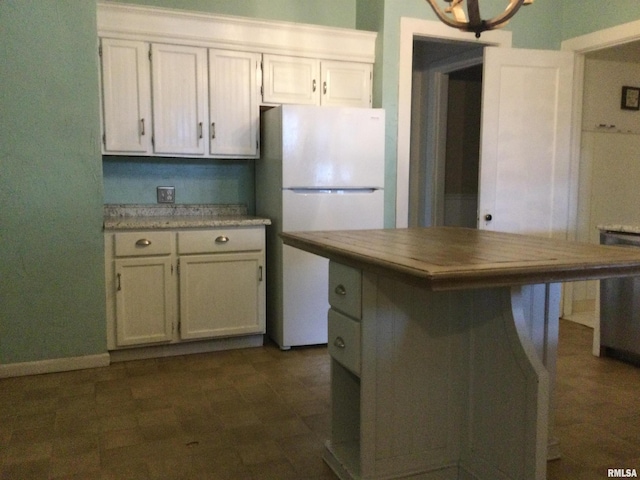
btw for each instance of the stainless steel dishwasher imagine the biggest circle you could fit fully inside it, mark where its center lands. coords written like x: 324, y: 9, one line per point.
x: 620, y: 307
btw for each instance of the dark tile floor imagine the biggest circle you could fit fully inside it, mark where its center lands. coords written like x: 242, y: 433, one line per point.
x: 262, y: 414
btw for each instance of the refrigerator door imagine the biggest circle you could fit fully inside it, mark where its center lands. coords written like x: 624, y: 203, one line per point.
x: 330, y: 147
x: 306, y: 276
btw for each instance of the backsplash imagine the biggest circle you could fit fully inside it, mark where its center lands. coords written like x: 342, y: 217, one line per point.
x: 133, y: 180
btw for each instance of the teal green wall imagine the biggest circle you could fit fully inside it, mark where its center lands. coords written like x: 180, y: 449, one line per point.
x: 51, y: 248
x: 51, y: 171
x: 580, y: 17
x: 333, y: 13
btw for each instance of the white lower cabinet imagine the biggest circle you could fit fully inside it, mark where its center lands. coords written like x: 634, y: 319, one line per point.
x: 174, y: 286
x: 144, y: 300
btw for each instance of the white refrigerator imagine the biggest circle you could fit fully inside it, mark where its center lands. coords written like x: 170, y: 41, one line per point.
x: 320, y: 168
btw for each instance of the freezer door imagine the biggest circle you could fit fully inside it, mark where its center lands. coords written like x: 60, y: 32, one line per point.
x: 312, y: 210
x: 332, y: 147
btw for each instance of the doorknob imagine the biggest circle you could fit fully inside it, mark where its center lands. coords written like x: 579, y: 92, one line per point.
x: 488, y: 217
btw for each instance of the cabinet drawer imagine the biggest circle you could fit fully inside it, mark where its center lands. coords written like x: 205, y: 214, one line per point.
x: 221, y: 240
x: 344, y: 340
x: 345, y: 289
x: 133, y: 244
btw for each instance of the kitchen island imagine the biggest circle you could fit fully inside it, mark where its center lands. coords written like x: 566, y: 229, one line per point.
x: 443, y: 344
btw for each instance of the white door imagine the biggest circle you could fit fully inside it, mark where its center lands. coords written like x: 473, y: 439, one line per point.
x: 179, y: 84
x: 525, y: 163
x: 233, y: 103
x: 126, y: 96
x: 346, y: 84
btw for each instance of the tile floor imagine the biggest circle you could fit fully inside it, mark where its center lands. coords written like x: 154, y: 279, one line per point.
x: 262, y: 414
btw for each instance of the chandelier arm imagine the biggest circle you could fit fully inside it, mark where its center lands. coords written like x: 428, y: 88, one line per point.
x: 504, y: 17
x: 474, y: 14
x: 447, y: 20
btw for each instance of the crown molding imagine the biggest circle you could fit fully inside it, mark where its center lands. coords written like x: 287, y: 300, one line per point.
x: 163, y: 25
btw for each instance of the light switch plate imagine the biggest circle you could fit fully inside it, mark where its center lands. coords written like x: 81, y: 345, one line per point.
x: 166, y: 194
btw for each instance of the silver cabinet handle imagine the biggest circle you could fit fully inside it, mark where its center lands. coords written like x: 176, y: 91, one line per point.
x: 339, y: 342
x: 340, y: 290
x: 119, y: 283
x: 222, y: 239
x: 143, y: 242
x: 324, y: 88
x: 200, y: 130
x: 213, y: 129
x: 142, y: 126
x: 314, y: 84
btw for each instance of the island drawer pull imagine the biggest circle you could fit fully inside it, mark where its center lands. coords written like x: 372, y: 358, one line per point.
x: 222, y: 239
x: 143, y: 242
x: 339, y: 342
x: 340, y: 290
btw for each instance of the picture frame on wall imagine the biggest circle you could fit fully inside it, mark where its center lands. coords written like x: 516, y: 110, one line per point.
x: 630, y: 98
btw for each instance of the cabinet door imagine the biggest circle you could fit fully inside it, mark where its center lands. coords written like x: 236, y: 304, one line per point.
x: 179, y: 81
x: 290, y: 80
x: 126, y: 96
x: 221, y: 295
x: 346, y: 84
x: 233, y: 103
x: 144, y: 300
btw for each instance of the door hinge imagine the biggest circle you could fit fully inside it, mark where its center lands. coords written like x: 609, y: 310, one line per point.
x: 104, y: 139
x: 179, y: 327
x: 100, y: 50
x: 178, y: 267
x: 149, y: 53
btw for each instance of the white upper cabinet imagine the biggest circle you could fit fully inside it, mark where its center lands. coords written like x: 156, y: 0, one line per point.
x: 179, y: 85
x: 290, y: 80
x: 126, y: 96
x: 346, y: 84
x: 204, y: 85
x: 309, y: 81
x: 234, y: 111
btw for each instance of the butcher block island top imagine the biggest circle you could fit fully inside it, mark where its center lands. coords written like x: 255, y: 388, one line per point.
x: 451, y: 258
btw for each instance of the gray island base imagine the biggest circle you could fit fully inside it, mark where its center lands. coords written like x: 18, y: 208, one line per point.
x: 443, y: 344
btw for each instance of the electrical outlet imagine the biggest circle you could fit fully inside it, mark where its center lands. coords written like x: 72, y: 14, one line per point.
x: 166, y: 194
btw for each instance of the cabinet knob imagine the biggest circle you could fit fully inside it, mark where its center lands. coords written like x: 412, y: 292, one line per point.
x: 339, y: 342
x: 340, y: 290
x: 222, y: 239
x: 143, y: 242
x: 488, y: 217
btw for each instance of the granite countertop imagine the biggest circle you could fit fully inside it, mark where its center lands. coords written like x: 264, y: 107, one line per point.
x: 135, y: 217
x: 451, y: 258
x: 620, y: 228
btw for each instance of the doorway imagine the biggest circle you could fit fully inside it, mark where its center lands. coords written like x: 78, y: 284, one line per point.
x: 445, y: 138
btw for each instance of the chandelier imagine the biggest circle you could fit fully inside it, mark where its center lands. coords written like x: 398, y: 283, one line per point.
x: 455, y: 16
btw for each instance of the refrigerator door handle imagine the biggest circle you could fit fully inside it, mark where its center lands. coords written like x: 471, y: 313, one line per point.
x: 308, y: 191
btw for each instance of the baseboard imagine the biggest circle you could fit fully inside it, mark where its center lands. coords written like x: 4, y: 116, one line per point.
x: 54, y: 365
x: 186, y: 348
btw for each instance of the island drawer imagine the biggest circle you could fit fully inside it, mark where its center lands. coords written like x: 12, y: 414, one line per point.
x: 216, y: 240
x: 133, y: 244
x: 344, y: 340
x: 345, y: 289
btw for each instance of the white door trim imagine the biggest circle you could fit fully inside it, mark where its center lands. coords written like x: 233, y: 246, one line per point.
x: 410, y: 28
